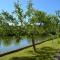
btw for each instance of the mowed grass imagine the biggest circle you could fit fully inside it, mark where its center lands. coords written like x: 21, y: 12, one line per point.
x: 28, y: 52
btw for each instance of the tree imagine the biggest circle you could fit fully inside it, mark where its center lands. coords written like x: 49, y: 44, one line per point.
x: 30, y: 28
x: 18, y: 12
x: 30, y: 10
x: 7, y: 17
x: 53, y: 22
x: 58, y: 16
x: 35, y: 19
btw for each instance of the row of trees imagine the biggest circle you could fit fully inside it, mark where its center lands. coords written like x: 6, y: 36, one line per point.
x: 33, y: 23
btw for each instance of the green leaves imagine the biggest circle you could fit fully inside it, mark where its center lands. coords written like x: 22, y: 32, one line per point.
x: 29, y: 8
x: 18, y: 12
x: 38, y: 21
x: 7, y: 17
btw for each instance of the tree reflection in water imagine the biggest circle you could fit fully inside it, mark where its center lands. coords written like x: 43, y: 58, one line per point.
x: 12, y: 43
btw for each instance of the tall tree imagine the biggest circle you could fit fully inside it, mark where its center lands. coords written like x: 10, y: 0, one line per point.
x: 30, y: 27
x: 18, y: 12
x: 35, y: 17
x: 30, y: 10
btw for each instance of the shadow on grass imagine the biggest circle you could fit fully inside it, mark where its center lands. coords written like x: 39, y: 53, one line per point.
x: 23, y: 58
x: 45, y: 53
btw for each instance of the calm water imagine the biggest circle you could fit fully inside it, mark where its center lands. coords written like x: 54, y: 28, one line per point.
x: 9, y: 44
x: 12, y: 43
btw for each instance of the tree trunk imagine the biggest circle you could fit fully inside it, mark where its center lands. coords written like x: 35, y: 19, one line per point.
x: 33, y: 44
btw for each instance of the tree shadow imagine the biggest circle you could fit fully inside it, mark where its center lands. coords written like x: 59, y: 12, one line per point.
x: 23, y: 58
x: 45, y: 53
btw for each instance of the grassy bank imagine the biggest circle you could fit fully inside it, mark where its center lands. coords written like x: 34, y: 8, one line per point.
x: 46, y: 51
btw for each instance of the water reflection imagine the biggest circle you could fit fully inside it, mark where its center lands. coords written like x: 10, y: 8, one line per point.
x: 12, y: 43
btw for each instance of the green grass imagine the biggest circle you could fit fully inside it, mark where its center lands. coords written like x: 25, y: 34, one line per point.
x: 46, y: 50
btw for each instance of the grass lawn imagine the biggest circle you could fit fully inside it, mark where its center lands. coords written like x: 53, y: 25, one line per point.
x: 46, y: 51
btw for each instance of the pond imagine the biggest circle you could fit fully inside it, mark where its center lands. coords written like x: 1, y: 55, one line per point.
x: 12, y: 43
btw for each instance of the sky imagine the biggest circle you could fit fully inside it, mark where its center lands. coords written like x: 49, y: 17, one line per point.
x: 49, y: 6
